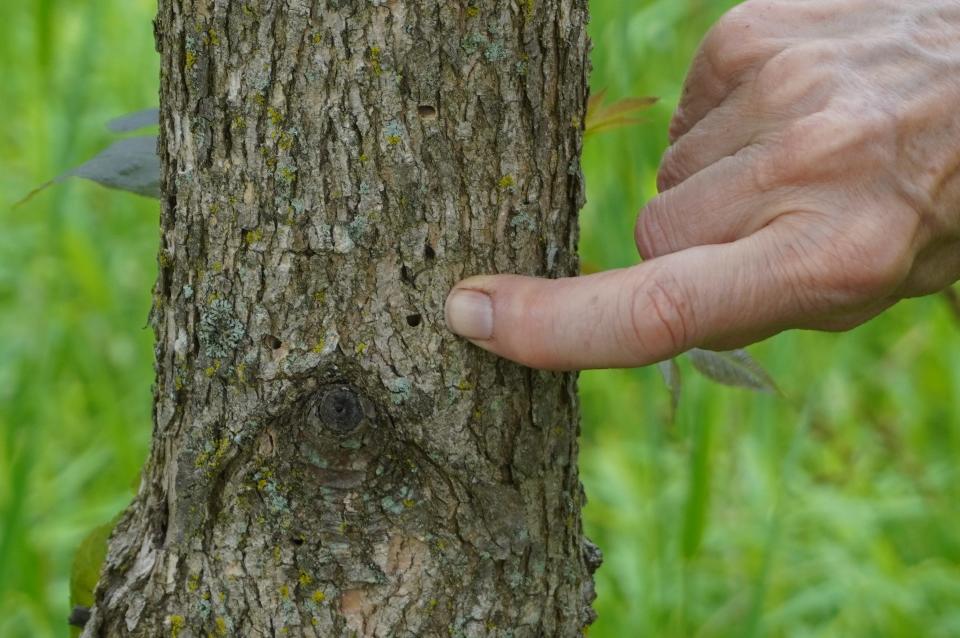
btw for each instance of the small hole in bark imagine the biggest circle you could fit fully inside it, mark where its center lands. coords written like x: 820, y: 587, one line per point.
x: 272, y: 342
x: 414, y: 320
x: 427, y: 112
x: 405, y: 275
x: 297, y: 540
x: 428, y: 252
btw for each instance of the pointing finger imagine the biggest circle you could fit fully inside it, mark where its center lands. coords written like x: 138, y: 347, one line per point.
x: 722, y: 295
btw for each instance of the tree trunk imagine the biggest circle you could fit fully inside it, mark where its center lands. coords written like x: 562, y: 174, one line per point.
x: 327, y: 459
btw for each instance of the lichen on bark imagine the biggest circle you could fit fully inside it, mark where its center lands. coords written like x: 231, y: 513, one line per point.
x: 327, y: 459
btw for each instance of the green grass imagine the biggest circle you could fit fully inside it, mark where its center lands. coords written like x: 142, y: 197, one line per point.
x: 834, y: 513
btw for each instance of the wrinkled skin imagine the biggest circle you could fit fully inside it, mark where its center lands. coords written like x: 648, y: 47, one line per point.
x: 812, y: 181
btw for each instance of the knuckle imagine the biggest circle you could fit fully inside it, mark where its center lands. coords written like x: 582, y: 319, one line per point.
x: 773, y: 168
x: 651, y: 233
x: 674, y: 168
x: 852, y: 265
x: 796, y: 153
x: 659, y: 319
x: 868, y: 268
x: 827, y: 145
x: 792, y: 78
x: 733, y: 45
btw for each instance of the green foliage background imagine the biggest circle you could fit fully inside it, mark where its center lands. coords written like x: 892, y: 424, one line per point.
x: 834, y: 513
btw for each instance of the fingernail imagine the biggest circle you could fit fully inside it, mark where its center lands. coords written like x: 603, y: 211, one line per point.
x: 470, y: 314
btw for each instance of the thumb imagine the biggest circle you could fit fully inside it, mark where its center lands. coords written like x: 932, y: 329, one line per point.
x: 708, y: 295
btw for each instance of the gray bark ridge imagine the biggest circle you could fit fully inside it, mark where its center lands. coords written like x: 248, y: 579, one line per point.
x: 327, y: 459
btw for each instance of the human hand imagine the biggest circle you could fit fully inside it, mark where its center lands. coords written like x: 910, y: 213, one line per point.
x: 813, y: 180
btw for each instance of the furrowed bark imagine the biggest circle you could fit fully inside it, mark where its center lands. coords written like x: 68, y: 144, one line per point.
x: 327, y: 459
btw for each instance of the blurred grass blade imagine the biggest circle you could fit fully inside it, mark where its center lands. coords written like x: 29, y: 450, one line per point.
x: 697, y: 506
x: 135, y: 121
x: 621, y: 113
x: 734, y: 368
x: 129, y: 164
x: 674, y: 382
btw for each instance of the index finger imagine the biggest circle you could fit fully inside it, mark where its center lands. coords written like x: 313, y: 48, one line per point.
x: 717, y: 296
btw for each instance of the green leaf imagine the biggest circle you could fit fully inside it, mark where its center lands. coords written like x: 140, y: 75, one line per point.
x: 130, y: 164
x: 135, y: 121
x: 734, y: 368
x: 87, y: 562
x: 602, y: 117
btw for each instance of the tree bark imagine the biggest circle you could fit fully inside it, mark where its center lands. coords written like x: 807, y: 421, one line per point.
x: 327, y: 459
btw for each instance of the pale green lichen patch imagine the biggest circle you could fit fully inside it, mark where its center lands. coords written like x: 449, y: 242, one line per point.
x: 220, y: 330
x: 393, y: 133
x: 521, y: 220
x: 495, y: 52
x: 271, y: 490
x: 472, y: 43
x: 400, y: 389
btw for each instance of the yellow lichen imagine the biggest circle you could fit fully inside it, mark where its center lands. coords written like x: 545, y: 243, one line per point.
x: 285, y: 141
x: 276, y: 117
x: 212, y: 370
x: 177, y: 623
x: 305, y: 578
x: 375, y: 65
x: 319, y: 596
x: 507, y: 181
x: 191, y: 60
